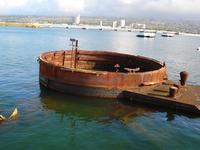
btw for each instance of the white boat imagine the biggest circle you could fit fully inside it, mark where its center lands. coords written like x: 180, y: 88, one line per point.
x: 168, y: 34
x: 147, y: 34
x: 198, y: 48
x: 84, y: 28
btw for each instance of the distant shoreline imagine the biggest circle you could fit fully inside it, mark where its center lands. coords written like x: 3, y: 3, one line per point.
x: 51, y: 25
x: 16, y: 24
x: 178, y: 26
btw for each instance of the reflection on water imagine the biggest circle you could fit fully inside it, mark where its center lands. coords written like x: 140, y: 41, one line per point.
x: 101, y: 110
x: 89, y: 108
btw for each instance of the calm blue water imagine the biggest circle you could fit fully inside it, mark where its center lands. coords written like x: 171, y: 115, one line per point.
x: 50, y: 120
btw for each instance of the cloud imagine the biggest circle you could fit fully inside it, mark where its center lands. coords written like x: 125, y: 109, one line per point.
x: 118, y: 8
x: 9, y: 5
x: 71, y: 5
x: 173, y: 6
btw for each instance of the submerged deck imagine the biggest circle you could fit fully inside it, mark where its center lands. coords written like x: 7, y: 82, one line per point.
x: 187, y: 99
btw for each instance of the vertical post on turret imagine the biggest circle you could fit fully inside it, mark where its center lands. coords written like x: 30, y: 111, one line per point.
x: 75, y: 53
x: 72, y: 51
x: 63, y: 60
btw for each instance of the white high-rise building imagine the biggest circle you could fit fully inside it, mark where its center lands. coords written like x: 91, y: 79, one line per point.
x: 114, y: 25
x: 131, y: 25
x: 77, y: 20
x: 144, y: 26
x: 101, y: 23
x: 123, y: 23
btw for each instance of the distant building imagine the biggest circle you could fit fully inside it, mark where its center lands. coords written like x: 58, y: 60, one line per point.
x: 122, y: 23
x: 101, y: 23
x: 114, y: 25
x: 132, y: 25
x: 77, y: 20
x: 143, y: 26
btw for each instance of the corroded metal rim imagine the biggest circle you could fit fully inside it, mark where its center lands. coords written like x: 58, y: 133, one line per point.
x: 52, y: 68
x: 80, y: 90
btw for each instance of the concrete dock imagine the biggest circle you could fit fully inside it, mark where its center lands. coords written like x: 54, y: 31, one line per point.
x: 187, y: 98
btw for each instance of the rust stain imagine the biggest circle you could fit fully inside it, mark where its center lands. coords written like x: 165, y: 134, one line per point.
x: 96, y: 69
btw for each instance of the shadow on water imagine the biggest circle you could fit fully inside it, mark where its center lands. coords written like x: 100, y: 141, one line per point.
x: 99, y: 109
x: 170, y: 113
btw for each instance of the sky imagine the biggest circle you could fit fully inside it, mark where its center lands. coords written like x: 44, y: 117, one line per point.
x: 170, y: 9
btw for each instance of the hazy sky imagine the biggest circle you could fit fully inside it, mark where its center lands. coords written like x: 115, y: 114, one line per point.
x: 177, y: 9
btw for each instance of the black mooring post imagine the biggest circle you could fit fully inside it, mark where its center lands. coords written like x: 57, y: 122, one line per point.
x: 75, y: 53
x: 72, y: 40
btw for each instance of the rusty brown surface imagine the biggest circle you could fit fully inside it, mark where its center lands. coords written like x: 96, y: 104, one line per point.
x: 95, y: 69
x: 94, y: 73
x: 187, y: 98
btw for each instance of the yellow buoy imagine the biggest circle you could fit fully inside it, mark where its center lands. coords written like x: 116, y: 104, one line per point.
x: 2, y: 118
x: 14, y: 114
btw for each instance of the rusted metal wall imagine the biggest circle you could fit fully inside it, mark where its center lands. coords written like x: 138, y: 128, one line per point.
x: 102, y: 79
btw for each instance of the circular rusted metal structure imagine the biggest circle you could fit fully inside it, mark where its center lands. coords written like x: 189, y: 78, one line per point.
x: 98, y: 73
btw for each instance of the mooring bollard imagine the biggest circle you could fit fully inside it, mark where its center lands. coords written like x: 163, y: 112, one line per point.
x: 177, y: 86
x: 172, y: 91
x: 184, y: 76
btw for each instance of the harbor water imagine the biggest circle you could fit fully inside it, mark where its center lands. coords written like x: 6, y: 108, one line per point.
x: 53, y: 120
